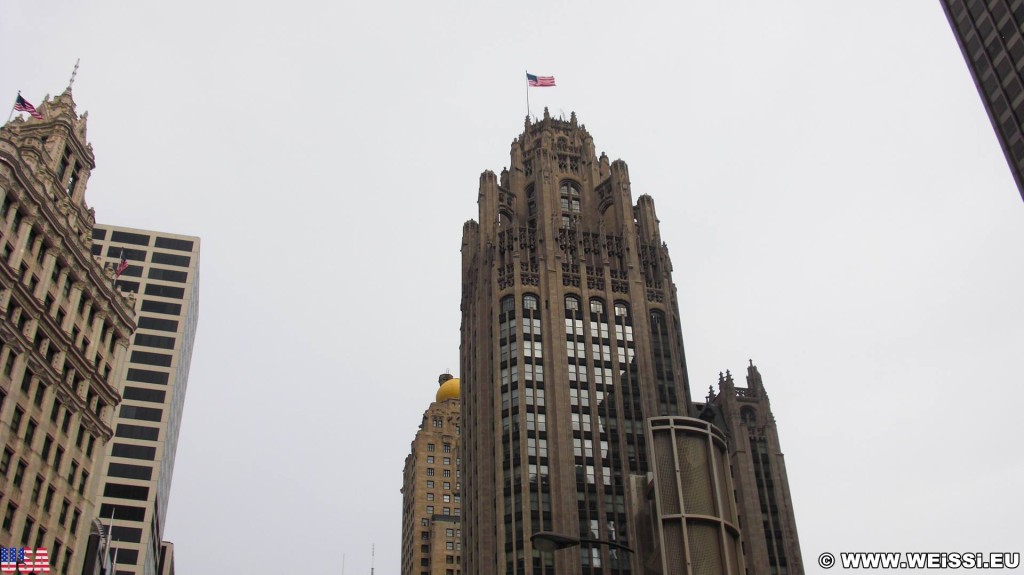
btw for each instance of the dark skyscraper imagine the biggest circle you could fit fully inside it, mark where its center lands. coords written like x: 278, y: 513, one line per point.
x: 571, y: 340
x: 989, y: 34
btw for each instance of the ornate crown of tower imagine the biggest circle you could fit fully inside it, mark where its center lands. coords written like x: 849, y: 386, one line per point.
x: 56, y: 159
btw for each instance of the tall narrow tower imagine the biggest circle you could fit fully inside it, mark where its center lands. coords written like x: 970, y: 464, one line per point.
x: 759, y: 472
x: 570, y: 339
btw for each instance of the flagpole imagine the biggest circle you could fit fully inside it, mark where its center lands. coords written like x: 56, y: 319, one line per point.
x: 110, y: 542
x: 527, y: 94
x: 11, y: 115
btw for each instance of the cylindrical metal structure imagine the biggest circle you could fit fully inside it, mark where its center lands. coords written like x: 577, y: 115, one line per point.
x: 696, y: 526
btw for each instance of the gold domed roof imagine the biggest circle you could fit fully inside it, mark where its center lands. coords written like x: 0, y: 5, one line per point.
x: 448, y: 390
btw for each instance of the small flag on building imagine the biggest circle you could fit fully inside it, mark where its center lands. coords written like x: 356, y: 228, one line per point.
x: 121, y: 266
x: 540, y: 81
x: 22, y: 105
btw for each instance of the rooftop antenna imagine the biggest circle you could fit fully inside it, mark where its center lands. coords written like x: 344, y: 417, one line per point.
x: 373, y: 553
x: 74, y: 73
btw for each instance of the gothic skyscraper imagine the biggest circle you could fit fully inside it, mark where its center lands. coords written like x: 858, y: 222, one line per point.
x: 571, y: 342
x: 570, y: 339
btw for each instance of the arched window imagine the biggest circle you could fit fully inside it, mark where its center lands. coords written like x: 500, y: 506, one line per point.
x: 621, y: 309
x: 529, y: 302
x: 657, y: 323
x: 748, y: 415
x: 569, y: 195
x: 596, y: 306
x: 531, y: 201
x: 508, y: 303
x: 572, y: 303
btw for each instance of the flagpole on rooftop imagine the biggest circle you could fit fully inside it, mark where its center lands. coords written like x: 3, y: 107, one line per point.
x: 11, y: 115
x: 527, y: 93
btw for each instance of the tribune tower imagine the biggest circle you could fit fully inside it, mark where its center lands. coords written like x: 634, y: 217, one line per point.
x: 570, y: 339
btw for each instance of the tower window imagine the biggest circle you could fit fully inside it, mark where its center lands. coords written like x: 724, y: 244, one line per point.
x: 621, y: 309
x: 65, y: 161
x: 748, y: 416
x: 569, y: 196
x: 508, y: 304
x: 73, y: 183
x: 530, y: 302
x: 572, y: 303
x: 658, y: 321
x: 596, y: 306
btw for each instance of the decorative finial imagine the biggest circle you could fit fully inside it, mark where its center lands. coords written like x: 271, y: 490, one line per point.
x: 751, y: 362
x: 73, y: 74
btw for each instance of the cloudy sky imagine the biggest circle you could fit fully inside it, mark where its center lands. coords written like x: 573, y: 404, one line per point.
x: 832, y: 193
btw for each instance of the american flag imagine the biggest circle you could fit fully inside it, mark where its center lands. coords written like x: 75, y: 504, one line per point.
x: 10, y: 558
x: 41, y: 563
x: 13, y: 559
x: 540, y: 81
x: 121, y: 266
x: 22, y: 105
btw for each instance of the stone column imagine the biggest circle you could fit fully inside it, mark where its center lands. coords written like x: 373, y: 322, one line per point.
x: 45, y: 279
x: 118, y: 361
x: 62, y: 280
x: 76, y: 296
x: 97, y: 331
x: 18, y: 253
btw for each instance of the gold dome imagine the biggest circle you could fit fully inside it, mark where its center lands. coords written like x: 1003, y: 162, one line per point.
x: 448, y: 390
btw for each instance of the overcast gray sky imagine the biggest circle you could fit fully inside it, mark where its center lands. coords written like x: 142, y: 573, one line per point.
x: 834, y: 198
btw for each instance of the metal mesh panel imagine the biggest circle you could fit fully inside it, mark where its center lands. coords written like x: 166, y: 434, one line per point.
x: 666, y: 474
x: 732, y: 546
x: 726, y: 509
x: 704, y: 545
x: 674, y: 551
x: 698, y: 494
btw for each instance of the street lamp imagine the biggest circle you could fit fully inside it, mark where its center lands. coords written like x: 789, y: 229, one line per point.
x: 551, y: 541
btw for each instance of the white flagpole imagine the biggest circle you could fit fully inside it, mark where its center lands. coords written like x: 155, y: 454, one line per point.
x: 110, y: 541
x: 527, y: 93
x: 11, y: 115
